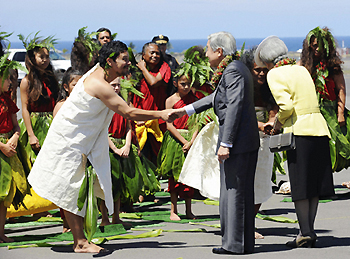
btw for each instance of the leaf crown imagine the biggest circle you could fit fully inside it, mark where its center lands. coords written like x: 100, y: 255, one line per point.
x: 194, y: 66
x: 37, y: 41
x: 6, y: 65
x: 87, y: 39
x: 322, y: 36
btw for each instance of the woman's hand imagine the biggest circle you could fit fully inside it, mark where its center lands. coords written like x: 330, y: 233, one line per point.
x: 13, y: 141
x: 124, y: 151
x: 8, y: 150
x: 141, y: 65
x: 34, y: 142
x: 223, y: 154
x: 186, y: 147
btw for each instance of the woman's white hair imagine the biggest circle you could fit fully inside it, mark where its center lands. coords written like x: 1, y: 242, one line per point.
x: 270, y: 50
x: 223, y: 40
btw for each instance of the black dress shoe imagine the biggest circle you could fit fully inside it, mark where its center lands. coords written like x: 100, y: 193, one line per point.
x: 221, y: 251
x: 303, y: 241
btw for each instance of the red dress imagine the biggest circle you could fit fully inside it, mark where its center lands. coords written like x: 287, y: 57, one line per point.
x: 118, y: 126
x: 183, y: 190
x: 154, y: 97
x: 330, y: 89
x: 7, y: 108
x: 205, y: 88
x: 43, y: 106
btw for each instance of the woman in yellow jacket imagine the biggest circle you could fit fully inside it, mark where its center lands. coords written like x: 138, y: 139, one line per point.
x: 309, y: 164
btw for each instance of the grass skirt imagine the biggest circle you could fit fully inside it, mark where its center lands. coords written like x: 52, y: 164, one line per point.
x: 171, y: 157
x: 132, y: 176
x: 41, y: 122
x: 340, y: 142
x: 13, y: 178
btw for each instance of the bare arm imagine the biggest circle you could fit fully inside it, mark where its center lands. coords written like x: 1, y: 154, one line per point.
x: 341, y: 89
x: 33, y: 140
x: 113, y: 101
x: 169, y: 103
x: 153, y: 81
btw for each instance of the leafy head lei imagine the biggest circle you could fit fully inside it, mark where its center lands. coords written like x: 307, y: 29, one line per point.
x: 321, y: 73
x: 4, y: 36
x: 38, y: 42
x: 194, y: 66
x: 87, y: 39
x: 5, y: 63
x: 322, y: 36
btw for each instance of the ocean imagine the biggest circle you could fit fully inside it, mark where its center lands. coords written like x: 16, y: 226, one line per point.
x: 293, y: 43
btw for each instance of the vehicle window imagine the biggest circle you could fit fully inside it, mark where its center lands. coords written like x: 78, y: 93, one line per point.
x: 56, y: 56
x: 19, y: 56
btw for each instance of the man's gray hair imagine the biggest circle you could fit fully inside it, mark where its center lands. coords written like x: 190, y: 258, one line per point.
x: 223, y: 40
x: 270, y: 50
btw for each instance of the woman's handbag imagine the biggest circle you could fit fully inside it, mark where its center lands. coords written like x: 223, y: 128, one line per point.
x: 281, y: 142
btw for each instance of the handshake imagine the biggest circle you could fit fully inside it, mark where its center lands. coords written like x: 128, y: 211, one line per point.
x: 169, y: 115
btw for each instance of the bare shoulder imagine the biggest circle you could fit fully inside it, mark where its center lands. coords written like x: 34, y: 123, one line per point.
x: 57, y: 107
x: 170, y: 101
x: 95, y: 84
x: 24, y: 83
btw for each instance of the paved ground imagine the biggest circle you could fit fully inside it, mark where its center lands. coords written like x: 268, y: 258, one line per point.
x: 332, y: 224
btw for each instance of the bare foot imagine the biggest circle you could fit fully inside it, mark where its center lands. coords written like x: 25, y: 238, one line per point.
x: 66, y: 230
x: 190, y: 216
x: 5, y: 239
x: 141, y: 198
x: 174, y: 216
x: 86, y: 247
x: 346, y: 184
x: 105, y: 223
x: 258, y: 236
x: 119, y: 221
x: 42, y: 214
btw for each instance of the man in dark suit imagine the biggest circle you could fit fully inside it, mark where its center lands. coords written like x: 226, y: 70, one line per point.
x: 238, y: 144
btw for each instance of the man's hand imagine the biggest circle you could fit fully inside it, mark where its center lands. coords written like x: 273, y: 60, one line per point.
x: 174, y: 114
x: 223, y: 154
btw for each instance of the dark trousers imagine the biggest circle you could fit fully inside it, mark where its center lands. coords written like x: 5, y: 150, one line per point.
x: 237, y: 202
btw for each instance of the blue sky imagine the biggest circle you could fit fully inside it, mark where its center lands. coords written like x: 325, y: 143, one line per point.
x: 178, y: 19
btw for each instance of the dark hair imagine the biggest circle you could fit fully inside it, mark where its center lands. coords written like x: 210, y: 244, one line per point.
x: 102, y: 30
x: 107, y: 49
x: 68, y: 77
x: 37, y: 76
x: 161, y: 54
x: 332, y: 61
x: 199, y: 56
x: 248, y: 58
x: 80, y: 57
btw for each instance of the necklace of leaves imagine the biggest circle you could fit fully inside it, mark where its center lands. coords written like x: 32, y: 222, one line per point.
x: 218, y: 72
x: 319, y: 77
x: 285, y: 61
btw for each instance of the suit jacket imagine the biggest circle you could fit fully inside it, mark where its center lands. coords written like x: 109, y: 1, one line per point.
x: 294, y: 92
x: 233, y: 102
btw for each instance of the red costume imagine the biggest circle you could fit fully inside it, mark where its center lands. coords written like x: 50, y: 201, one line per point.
x: 7, y: 108
x: 330, y: 89
x: 154, y: 97
x: 183, y: 190
x: 205, y: 88
x: 118, y: 126
x: 43, y: 105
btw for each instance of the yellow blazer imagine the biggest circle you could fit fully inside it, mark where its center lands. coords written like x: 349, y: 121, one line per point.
x: 294, y: 92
